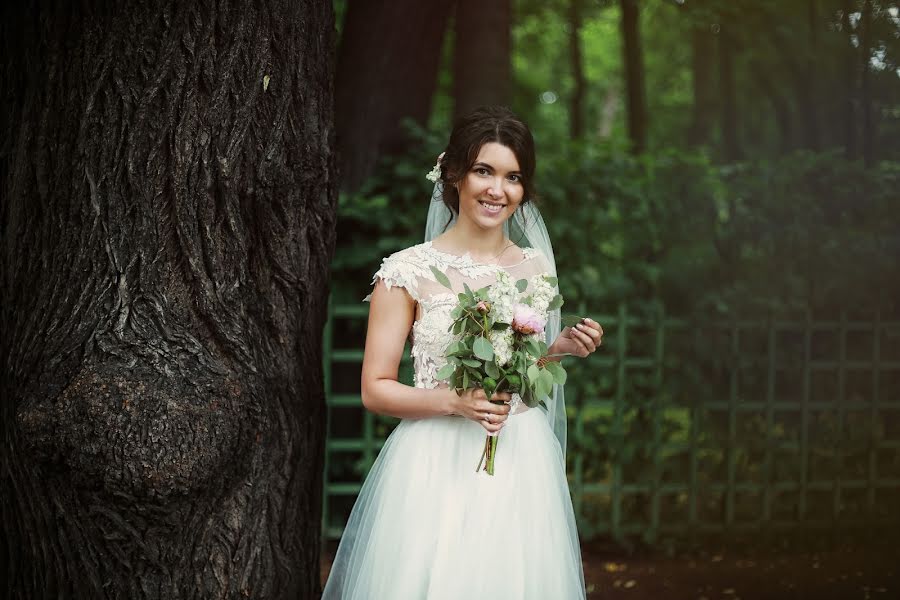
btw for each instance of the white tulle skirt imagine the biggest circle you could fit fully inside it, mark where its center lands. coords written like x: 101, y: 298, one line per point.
x: 427, y: 526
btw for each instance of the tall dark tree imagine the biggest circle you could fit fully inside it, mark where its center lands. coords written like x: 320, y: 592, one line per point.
x: 703, y: 44
x: 865, y: 92
x: 811, y: 96
x: 634, y: 75
x: 781, y: 109
x: 482, y: 67
x: 728, y: 115
x: 576, y: 60
x: 168, y: 216
x: 849, y: 81
x: 387, y: 71
x: 799, y: 54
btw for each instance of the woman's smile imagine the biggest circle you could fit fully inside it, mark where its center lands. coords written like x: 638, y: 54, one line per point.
x: 492, y: 208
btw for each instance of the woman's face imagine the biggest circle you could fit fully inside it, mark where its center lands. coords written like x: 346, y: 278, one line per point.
x: 492, y: 189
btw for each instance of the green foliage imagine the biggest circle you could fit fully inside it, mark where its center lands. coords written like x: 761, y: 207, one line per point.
x: 809, y: 230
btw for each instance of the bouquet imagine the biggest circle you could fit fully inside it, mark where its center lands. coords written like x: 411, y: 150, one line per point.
x: 498, y: 344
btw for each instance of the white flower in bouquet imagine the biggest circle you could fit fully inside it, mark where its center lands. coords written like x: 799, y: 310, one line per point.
x: 542, y: 293
x: 502, y: 341
x: 503, y: 295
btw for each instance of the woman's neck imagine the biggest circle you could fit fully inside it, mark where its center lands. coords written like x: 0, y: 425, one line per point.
x: 482, y: 245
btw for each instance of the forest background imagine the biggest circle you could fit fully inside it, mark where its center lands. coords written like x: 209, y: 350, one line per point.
x: 725, y: 157
x: 733, y: 165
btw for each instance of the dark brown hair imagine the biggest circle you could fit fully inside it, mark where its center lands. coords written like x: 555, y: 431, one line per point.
x: 471, y: 132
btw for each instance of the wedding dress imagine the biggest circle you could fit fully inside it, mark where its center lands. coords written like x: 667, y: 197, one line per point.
x: 426, y: 525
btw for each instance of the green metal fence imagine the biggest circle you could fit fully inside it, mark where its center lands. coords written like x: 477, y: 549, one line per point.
x: 678, y: 429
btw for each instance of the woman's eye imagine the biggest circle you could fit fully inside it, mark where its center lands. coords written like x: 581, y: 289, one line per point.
x: 515, y: 178
x: 481, y: 171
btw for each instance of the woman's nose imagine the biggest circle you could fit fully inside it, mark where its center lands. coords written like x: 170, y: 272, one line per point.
x: 496, y: 189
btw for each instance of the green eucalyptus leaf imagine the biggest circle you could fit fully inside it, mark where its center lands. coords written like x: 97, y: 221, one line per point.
x: 483, y: 349
x: 551, y: 280
x: 545, y: 383
x: 441, y: 278
x: 533, y: 374
x: 555, y: 303
x: 557, y: 371
x: 446, y: 371
x: 492, y: 370
x: 522, y: 285
x: 571, y: 320
x: 471, y: 362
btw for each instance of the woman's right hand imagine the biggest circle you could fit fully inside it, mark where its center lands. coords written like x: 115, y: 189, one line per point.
x: 473, y: 404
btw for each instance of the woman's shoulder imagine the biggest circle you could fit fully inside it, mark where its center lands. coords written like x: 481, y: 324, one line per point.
x: 411, y: 254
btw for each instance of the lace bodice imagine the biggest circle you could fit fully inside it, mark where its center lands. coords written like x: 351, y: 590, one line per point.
x: 411, y: 270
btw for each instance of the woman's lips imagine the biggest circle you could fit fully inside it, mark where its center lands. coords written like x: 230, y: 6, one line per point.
x: 491, y: 209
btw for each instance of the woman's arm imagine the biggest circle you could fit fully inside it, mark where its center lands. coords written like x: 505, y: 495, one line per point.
x: 391, y: 316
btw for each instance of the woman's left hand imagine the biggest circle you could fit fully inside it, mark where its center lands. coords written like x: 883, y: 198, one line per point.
x: 580, y: 340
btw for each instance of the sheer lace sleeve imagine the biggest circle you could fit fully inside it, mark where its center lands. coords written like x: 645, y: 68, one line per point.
x: 399, y: 270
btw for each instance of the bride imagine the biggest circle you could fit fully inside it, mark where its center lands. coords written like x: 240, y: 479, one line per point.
x: 426, y: 525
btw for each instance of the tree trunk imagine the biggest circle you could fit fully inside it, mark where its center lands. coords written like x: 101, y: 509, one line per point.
x: 780, y: 106
x: 865, y: 50
x: 634, y: 75
x: 728, y: 95
x: 387, y: 72
x: 579, y: 89
x: 810, y: 96
x: 702, y: 57
x: 850, y: 63
x: 168, y: 213
x: 482, y: 69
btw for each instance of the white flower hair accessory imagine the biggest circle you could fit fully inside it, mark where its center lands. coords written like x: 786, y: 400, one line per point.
x: 435, y: 174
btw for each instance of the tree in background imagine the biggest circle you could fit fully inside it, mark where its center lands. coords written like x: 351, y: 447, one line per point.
x: 481, y: 55
x: 634, y: 75
x: 703, y: 44
x: 168, y: 211
x: 579, y: 90
x: 387, y: 71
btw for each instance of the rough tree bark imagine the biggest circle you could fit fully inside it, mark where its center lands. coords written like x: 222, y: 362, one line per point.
x: 387, y: 71
x: 634, y: 75
x: 482, y: 67
x: 167, y: 218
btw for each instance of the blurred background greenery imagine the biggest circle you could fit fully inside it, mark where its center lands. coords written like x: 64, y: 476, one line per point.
x: 719, y: 155
x: 720, y: 179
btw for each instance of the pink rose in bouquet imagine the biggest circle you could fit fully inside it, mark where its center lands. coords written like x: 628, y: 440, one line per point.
x: 526, y: 320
